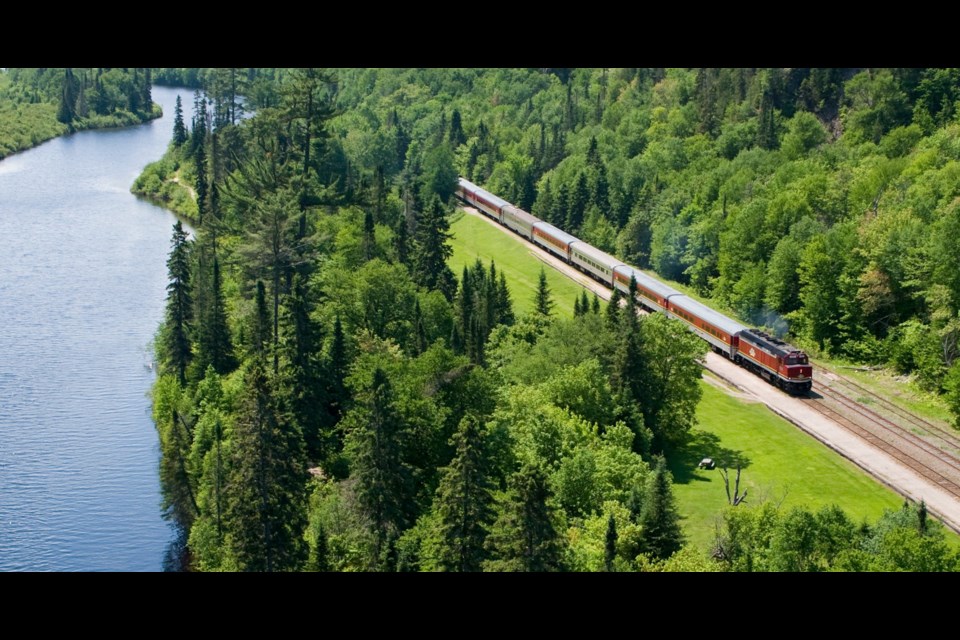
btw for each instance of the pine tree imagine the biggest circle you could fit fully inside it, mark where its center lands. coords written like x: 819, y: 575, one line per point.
x: 432, y: 249
x: 383, y: 479
x: 301, y: 378
x: 176, y: 351
x: 369, y: 241
x: 659, y: 518
x: 610, y: 547
x: 200, y: 184
x: 266, y: 487
x: 596, y: 304
x: 465, y: 500
x: 179, y: 129
x: 524, y: 537
x: 504, y: 304
x: 543, y: 305
x: 83, y: 109
x: 613, y: 309
x: 457, y: 136
x: 584, y: 303
x: 337, y: 365
x: 577, y: 309
x: 577, y: 206
x: 66, y: 112
x: 214, y: 346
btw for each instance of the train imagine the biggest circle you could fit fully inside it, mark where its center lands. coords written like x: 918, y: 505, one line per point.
x: 776, y: 361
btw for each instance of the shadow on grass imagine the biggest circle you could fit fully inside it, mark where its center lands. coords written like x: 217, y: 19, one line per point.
x: 683, y: 460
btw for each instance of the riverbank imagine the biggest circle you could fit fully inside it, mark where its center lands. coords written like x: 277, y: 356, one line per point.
x: 24, y: 126
x: 28, y: 113
x: 166, y: 183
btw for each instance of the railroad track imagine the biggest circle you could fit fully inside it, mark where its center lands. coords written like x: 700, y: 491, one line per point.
x: 910, y: 450
x: 943, y: 437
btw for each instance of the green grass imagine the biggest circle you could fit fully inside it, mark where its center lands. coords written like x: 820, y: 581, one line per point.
x: 475, y: 238
x: 781, y: 463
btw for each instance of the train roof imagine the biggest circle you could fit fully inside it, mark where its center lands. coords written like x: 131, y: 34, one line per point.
x: 520, y: 214
x: 707, y: 314
x: 650, y: 283
x: 595, y: 254
x: 554, y: 232
x: 483, y: 193
x: 774, y: 345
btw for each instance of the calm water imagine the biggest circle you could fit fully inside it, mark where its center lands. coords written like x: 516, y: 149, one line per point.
x: 82, y: 286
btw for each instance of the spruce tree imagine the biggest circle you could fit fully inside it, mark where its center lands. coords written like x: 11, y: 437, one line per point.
x: 200, y: 184
x: 179, y: 129
x: 383, y: 479
x: 301, y: 378
x: 577, y: 309
x: 465, y: 499
x: 266, y: 495
x: 525, y: 537
x: 543, y: 304
x: 432, y: 249
x: 176, y: 350
x: 659, y: 519
x: 613, y: 309
x: 596, y: 304
x: 610, y: 546
x: 584, y: 303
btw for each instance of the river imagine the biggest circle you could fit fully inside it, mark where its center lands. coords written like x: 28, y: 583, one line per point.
x: 82, y: 287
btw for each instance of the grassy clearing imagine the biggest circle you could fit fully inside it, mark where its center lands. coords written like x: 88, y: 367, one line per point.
x: 475, y: 238
x: 780, y: 463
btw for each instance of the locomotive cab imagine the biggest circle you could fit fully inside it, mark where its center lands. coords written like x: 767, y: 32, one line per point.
x: 797, y: 370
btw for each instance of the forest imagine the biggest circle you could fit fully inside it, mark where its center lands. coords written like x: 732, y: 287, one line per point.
x: 333, y: 397
x: 39, y: 104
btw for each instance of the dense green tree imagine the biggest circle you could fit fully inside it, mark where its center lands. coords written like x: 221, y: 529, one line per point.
x: 465, y: 499
x: 68, y: 97
x: 266, y: 486
x: 610, y: 548
x: 543, y: 303
x: 432, y: 249
x: 383, y: 480
x: 525, y: 536
x: 179, y: 129
x: 176, y: 351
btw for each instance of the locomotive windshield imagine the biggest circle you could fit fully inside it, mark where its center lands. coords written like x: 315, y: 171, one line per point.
x: 794, y: 359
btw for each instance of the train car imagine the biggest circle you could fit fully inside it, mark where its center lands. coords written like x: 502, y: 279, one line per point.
x: 721, y: 332
x: 519, y: 220
x: 554, y: 240
x: 776, y: 361
x: 595, y: 262
x: 651, y: 293
x: 482, y: 199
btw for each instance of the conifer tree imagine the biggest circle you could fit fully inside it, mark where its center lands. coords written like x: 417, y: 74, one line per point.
x: 383, y: 480
x: 179, y: 129
x: 176, y: 350
x: 432, y: 249
x: 543, y: 304
x: 610, y: 546
x: 266, y: 487
x: 465, y: 499
x: 659, y: 518
x: 525, y: 537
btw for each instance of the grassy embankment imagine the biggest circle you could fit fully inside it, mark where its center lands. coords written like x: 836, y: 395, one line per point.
x: 781, y: 462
